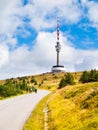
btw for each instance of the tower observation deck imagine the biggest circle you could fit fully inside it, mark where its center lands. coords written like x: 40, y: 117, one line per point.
x: 58, y: 67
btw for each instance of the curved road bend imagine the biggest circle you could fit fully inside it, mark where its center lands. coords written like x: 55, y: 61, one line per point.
x: 15, y: 111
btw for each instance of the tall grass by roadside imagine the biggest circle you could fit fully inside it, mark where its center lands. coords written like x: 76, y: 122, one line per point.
x: 36, y: 120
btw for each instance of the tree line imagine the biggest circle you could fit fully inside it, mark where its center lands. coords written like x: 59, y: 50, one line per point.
x: 68, y: 78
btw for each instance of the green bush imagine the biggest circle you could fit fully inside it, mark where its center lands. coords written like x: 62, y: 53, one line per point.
x: 91, y: 76
x: 11, y: 88
x: 84, y: 77
x: 66, y: 80
x: 33, y: 81
x: 8, y: 90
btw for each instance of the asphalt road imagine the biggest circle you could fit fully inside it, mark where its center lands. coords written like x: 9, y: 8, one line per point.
x: 15, y: 111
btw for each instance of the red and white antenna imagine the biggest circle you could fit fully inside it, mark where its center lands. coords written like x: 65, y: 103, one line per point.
x: 58, y: 28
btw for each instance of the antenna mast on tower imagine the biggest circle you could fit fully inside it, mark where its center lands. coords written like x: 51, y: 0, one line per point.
x: 58, y: 28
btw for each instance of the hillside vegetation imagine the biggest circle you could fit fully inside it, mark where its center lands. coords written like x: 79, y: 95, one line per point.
x: 19, y: 85
x: 71, y: 107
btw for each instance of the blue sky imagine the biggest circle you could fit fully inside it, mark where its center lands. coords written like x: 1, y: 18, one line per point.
x: 28, y: 36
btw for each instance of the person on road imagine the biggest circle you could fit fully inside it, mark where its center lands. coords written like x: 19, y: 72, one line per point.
x: 35, y: 90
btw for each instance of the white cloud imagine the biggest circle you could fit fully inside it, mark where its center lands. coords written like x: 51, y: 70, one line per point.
x: 44, y: 48
x: 86, y: 60
x: 92, y: 10
x: 23, y: 60
x: 84, y: 1
x: 4, y: 55
x: 12, y: 42
x: 8, y: 16
x: 68, y: 10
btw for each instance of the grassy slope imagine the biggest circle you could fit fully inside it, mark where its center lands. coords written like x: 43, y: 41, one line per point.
x: 48, y: 80
x: 75, y: 107
x: 51, y: 81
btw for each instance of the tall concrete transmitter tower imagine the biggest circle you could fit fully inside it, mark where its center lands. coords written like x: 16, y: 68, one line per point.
x: 58, y: 67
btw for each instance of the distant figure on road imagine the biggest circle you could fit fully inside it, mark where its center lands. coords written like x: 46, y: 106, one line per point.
x: 35, y: 90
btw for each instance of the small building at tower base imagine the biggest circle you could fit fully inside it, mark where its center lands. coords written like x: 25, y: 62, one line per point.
x: 58, y: 69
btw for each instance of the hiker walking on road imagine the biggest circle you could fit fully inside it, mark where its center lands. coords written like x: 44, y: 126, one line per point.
x: 35, y: 90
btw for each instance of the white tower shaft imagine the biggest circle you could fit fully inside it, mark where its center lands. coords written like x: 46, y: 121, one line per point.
x: 58, y: 46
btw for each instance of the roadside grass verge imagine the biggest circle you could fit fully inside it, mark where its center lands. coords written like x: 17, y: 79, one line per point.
x: 36, y: 119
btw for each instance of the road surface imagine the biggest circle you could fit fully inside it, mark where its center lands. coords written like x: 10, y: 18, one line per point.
x: 15, y: 111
